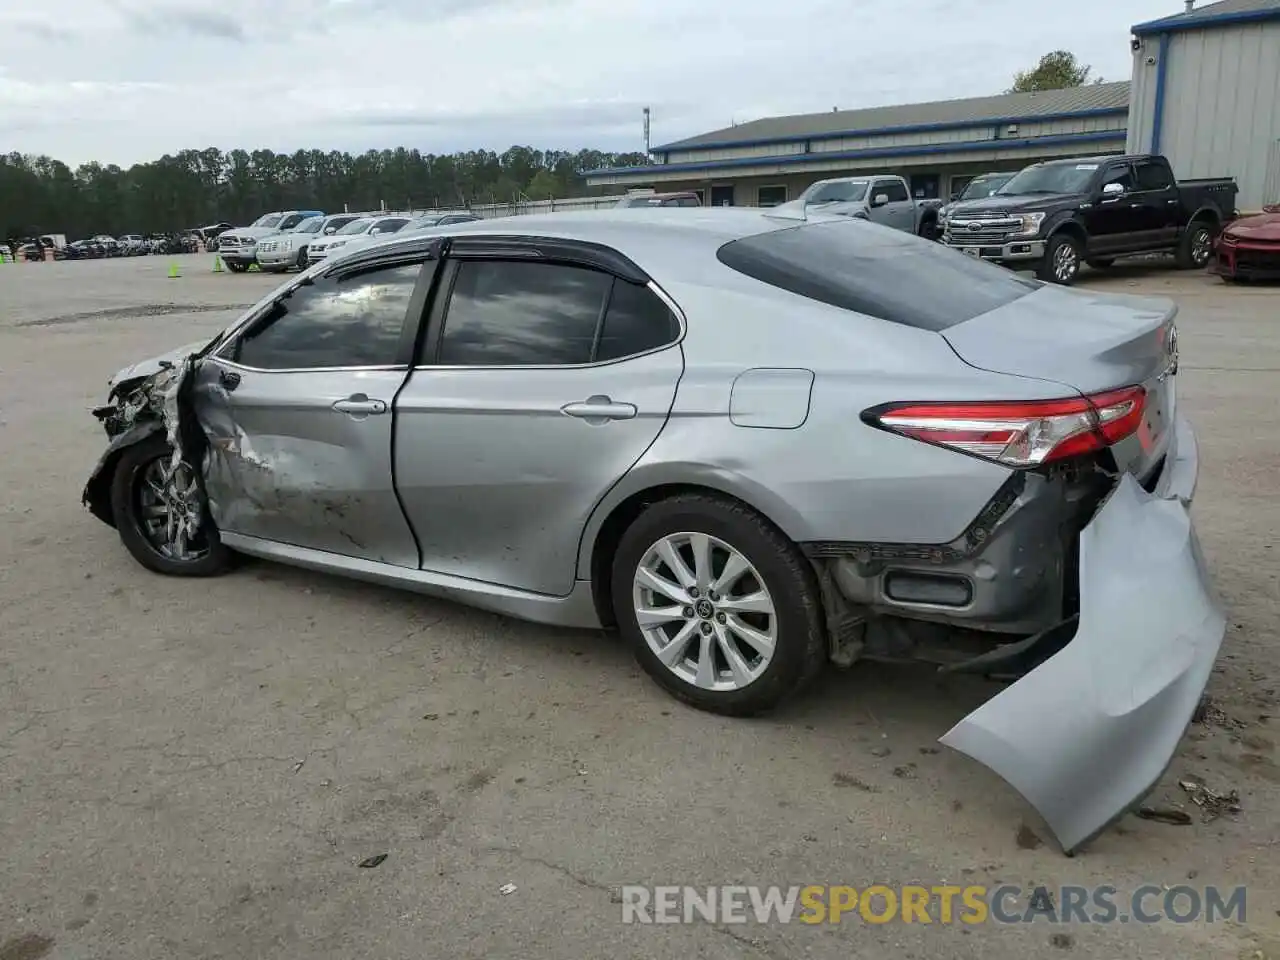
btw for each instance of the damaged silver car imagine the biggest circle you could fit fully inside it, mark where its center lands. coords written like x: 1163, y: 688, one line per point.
x: 755, y: 444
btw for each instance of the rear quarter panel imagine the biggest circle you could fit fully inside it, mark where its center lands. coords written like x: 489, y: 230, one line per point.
x: 832, y: 477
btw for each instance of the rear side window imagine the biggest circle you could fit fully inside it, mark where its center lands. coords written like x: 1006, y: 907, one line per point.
x: 516, y: 313
x: 1153, y: 176
x: 876, y: 271
x: 636, y: 321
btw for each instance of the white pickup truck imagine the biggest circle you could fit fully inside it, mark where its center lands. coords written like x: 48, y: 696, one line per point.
x: 880, y: 198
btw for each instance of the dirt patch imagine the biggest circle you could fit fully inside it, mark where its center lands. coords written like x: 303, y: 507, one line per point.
x: 130, y: 313
x: 31, y: 946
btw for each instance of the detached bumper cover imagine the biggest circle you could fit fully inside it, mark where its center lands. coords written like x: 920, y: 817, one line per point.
x: 1089, y: 732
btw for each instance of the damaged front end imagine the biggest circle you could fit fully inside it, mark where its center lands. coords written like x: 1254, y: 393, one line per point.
x: 138, y: 408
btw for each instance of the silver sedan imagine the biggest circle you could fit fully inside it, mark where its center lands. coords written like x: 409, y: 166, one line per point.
x: 754, y: 442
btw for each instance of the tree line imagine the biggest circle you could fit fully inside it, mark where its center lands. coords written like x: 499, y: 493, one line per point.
x: 41, y: 195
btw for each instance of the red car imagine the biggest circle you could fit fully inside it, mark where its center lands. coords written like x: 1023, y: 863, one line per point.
x: 1249, y: 248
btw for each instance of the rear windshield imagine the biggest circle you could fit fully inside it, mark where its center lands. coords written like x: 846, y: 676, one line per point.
x: 876, y: 271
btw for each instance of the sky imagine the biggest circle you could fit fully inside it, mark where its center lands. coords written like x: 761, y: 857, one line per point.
x: 125, y: 81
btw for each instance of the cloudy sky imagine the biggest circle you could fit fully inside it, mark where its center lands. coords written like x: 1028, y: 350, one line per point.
x: 122, y: 81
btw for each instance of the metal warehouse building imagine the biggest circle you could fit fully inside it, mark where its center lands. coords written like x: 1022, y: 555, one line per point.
x: 937, y: 146
x: 1206, y: 92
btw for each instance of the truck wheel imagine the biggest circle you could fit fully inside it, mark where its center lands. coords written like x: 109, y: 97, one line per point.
x: 302, y: 259
x: 1196, y: 247
x: 1100, y: 264
x: 236, y: 267
x: 1061, y: 263
x: 929, y: 230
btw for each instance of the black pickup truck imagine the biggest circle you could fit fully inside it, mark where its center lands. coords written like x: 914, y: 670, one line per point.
x: 1052, y: 216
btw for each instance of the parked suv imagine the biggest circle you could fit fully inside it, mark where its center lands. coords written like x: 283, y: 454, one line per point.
x: 1053, y: 216
x: 357, y: 232
x: 277, y: 252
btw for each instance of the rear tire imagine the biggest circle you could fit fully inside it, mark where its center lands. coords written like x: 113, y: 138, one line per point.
x: 1061, y: 263
x: 743, y: 630
x: 1196, y: 248
x: 143, y: 505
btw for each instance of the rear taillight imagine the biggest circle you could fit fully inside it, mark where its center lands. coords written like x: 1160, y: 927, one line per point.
x: 1019, y: 434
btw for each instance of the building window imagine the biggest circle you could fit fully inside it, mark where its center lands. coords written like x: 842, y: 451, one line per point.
x: 771, y: 196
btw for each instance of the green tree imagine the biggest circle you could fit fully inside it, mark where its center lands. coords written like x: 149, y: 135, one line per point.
x: 1056, y: 70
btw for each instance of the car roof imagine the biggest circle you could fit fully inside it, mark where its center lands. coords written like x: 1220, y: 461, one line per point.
x: 669, y: 242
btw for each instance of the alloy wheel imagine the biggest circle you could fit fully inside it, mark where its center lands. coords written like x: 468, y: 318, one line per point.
x: 1066, y: 263
x: 1201, y: 247
x: 170, y: 511
x: 705, y: 611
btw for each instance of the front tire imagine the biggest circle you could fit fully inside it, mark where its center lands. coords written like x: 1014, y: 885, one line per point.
x: 301, y: 263
x: 236, y: 267
x: 720, y: 608
x: 155, y: 510
x: 1061, y: 262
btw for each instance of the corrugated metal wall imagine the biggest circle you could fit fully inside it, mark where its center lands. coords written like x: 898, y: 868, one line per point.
x: 1221, y: 113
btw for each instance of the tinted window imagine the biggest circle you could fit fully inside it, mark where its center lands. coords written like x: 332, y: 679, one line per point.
x: 291, y: 221
x: 352, y: 322
x: 885, y: 274
x: 688, y: 202
x: 390, y: 226
x: 895, y: 190
x: 337, y: 223
x: 505, y: 313
x: 1153, y: 176
x: 356, y: 226
x: 637, y: 320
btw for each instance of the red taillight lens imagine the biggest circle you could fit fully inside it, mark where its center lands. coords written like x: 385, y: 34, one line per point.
x: 1019, y: 434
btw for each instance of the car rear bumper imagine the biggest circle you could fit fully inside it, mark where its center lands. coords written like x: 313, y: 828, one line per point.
x: 1084, y: 735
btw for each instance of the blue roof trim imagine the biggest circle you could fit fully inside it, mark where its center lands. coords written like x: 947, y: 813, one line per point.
x: 791, y: 158
x: 911, y: 128
x: 1180, y: 22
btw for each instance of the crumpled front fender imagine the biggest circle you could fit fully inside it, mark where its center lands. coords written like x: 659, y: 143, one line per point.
x: 1086, y: 734
x: 97, y: 491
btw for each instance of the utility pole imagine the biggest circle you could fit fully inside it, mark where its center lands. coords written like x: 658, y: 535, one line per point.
x: 646, y: 131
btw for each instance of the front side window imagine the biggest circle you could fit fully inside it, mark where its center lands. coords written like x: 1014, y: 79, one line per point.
x: 334, y: 224
x: 353, y: 321
x: 895, y: 190
x: 389, y: 226
x: 291, y: 221
x: 1122, y: 175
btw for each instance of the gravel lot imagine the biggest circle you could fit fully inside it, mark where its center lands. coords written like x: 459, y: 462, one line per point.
x: 195, y: 769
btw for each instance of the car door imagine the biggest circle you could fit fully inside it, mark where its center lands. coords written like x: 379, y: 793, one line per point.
x: 542, y: 382
x: 297, y: 409
x: 902, y: 209
x: 1113, y: 219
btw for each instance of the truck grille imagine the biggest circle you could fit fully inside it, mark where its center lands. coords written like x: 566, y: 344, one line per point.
x: 980, y: 232
x: 267, y: 247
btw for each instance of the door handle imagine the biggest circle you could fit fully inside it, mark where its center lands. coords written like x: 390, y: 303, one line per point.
x: 229, y: 379
x: 599, y: 409
x: 359, y: 405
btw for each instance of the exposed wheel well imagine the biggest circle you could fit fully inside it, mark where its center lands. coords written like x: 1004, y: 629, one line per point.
x: 622, y: 516
x: 1074, y: 230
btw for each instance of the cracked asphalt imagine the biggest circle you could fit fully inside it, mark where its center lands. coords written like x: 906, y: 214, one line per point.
x: 196, y: 769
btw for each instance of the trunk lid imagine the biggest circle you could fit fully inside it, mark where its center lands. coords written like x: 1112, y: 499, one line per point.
x: 1086, y: 343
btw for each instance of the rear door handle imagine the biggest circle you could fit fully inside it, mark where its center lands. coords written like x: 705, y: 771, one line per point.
x: 599, y: 409
x: 359, y: 405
